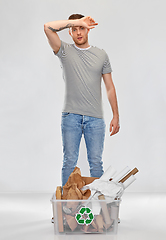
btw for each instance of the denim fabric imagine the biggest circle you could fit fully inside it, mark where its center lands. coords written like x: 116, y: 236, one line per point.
x: 93, y: 129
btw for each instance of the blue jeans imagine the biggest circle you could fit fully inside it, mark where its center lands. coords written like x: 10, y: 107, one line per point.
x: 73, y: 126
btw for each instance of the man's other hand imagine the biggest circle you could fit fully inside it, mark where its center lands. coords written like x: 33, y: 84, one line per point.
x: 114, y: 126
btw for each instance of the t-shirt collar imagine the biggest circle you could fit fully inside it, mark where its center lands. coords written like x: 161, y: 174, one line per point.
x: 82, y: 48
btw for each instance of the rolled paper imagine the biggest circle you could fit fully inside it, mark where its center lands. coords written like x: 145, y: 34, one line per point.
x: 121, y: 174
x: 129, y: 181
x: 133, y: 172
x: 109, y: 173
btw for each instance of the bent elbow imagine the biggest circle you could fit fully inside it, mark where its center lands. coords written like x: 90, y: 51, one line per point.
x: 45, y: 27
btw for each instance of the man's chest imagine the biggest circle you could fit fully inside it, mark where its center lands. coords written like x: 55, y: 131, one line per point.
x: 83, y: 61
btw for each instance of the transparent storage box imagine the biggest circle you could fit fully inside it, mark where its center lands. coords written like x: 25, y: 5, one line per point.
x: 85, y: 216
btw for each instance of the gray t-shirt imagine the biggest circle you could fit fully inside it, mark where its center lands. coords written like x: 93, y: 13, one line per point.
x: 82, y: 72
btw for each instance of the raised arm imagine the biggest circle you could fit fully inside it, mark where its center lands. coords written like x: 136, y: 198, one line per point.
x: 51, y: 29
x: 111, y: 93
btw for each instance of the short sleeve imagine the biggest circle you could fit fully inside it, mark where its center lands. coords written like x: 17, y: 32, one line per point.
x: 61, y: 50
x: 106, y: 66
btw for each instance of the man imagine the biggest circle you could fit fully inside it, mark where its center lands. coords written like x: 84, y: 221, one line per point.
x: 83, y: 67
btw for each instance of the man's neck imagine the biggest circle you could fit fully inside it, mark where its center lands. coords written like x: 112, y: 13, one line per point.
x: 83, y: 46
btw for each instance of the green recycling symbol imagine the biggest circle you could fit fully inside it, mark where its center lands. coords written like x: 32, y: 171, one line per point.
x: 81, y: 220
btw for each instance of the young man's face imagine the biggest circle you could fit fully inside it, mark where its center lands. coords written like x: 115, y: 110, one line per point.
x: 79, y: 35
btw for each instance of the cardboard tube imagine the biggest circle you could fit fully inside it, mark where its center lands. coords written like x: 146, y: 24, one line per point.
x: 100, y: 223
x: 109, y: 173
x: 133, y: 172
x: 121, y: 174
x: 59, y: 209
x: 94, y: 224
x: 58, y: 193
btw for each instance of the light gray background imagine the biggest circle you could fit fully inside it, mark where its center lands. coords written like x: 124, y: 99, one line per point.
x: 133, y: 34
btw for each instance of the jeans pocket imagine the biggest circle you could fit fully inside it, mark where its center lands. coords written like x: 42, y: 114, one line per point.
x: 65, y: 114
